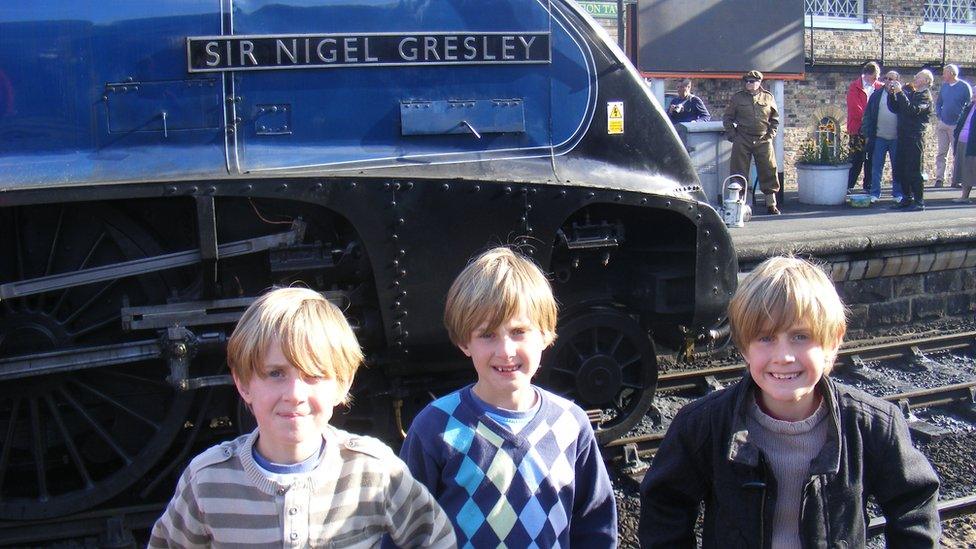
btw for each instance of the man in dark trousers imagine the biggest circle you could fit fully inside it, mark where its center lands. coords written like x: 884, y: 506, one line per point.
x: 857, y: 99
x: 750, y: 121
x: 686, y: 106
x: 913, y: 104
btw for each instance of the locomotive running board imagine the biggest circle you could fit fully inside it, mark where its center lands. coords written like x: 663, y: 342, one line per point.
x: 68, y: 360
x: 147, y: 265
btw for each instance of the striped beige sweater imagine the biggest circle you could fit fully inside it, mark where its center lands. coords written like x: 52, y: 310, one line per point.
x: 358, y: 492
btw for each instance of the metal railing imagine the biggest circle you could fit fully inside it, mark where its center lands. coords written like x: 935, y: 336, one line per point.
x: 893, y: 40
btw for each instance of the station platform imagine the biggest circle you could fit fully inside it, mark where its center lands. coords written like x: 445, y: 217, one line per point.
x: 825, y: 231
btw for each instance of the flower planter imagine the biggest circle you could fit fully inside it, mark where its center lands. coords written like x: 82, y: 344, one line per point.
x: 823, y: 185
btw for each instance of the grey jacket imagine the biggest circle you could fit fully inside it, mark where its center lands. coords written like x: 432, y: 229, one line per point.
x: 707, y: 457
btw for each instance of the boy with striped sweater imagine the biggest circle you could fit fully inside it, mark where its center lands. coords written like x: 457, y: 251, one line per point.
x: 296, y: 481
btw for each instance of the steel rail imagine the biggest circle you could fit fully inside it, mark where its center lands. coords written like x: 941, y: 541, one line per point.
x: 948, y: 509
x: 693, y: 379
x: 644, y: 446
x: 647, y: 445
x: 89, y: 523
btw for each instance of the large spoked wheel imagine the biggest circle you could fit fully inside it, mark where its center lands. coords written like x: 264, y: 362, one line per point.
x: 69, y: 441
x: 604, y: 359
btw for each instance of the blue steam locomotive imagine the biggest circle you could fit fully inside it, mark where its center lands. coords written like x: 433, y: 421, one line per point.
x: 163, y: 162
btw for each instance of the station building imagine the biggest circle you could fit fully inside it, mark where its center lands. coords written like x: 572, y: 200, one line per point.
x: 839, y: 36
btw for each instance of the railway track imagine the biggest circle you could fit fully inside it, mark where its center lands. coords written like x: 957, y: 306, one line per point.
x: 632, y: 453
x: 112, y: 526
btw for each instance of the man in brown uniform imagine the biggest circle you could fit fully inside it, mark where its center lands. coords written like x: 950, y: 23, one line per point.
x: 750, y: 123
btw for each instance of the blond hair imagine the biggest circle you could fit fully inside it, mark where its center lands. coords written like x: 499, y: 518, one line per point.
x: 927, y: 75
x: 497, y: 286
x: 313, y: 334
x: 782, y: 292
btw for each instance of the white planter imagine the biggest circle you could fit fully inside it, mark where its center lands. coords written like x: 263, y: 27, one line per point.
x: 823, y: 185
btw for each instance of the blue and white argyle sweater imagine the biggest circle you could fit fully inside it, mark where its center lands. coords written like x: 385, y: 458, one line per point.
x: 545, y: 487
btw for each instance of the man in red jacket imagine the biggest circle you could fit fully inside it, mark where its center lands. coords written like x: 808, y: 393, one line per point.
x: 857, y: 99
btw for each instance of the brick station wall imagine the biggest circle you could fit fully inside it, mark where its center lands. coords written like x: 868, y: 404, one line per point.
x: 933, y: 285
x: 824, y: 88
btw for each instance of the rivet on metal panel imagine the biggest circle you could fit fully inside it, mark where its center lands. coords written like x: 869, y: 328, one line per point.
x: 401, y: 221
x: 395, y: 236
x: 445, y: 187
x: 707, y: 232
x: 668, y: 203
x: 352, y: 185
x: 562, y: 193
x: 282, y: 188
x: 475, y: 188
x: 317, y: 187
x: 590, y: 194
x: 643, y: 201
x: 193, y: 189
x: 508, y: 190
x: 618, y: 198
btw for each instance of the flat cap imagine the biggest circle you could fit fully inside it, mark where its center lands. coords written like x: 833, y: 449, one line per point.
x: 752, y: 75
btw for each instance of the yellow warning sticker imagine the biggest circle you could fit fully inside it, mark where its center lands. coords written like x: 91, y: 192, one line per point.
x: 615, y: 117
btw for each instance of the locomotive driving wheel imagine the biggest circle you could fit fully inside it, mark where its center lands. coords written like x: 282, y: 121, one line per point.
x: 73, y: 439
x: 604, y: 359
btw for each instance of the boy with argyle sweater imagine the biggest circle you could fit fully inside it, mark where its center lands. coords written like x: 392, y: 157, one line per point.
x: 512, y: 464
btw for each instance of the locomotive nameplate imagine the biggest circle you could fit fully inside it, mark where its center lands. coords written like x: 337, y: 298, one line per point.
x: 321, y: 51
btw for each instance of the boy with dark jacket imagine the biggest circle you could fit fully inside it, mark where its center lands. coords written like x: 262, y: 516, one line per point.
x: 787, y: 457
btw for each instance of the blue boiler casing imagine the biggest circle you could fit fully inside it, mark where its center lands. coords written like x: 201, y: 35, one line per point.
x: 164, y: 162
